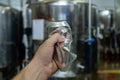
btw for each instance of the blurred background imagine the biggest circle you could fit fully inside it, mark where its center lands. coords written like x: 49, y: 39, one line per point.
x: 95, y: 28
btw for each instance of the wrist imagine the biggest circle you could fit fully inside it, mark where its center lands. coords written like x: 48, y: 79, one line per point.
x: 35, y: 71
x: 32, y: 71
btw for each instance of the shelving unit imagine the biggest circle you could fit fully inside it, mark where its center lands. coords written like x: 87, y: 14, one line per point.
x: 108, y: 71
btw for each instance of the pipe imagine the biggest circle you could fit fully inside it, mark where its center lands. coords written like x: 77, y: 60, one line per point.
x: 89, y: 22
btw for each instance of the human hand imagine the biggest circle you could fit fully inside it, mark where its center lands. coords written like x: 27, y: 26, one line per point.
x: 44, y: 55
x: 42, y: 66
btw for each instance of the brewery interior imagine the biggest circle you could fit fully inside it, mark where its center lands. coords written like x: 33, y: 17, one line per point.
x: 94, y: 28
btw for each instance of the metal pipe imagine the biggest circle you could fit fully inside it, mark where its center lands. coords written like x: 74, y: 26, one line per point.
x: 89, y: 22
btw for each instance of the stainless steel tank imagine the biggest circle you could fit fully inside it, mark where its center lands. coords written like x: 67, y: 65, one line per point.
x: 117, y: 19
x: 106, y: 19
x: 86, y: 42
x: 109, y: 40
x: 75, y: 13
x: 117, y: 15
x: 55, y: 11
x: 11, y: 31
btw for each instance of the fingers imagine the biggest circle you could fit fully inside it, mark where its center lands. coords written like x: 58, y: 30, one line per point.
x: 54, y: 39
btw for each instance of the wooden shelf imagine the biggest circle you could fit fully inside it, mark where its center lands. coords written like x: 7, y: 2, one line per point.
x: 108, y: 71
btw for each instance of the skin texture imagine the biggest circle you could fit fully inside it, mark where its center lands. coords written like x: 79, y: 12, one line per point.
x: 42, y: 66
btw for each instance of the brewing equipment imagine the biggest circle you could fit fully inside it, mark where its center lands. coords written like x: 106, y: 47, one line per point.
x: 86, y: 41
x: 117, y: 19
x: 117, y: 28
x: 11, y: 31
x: 106, y: 24
x: 76, y: 14
x: 109, y: 42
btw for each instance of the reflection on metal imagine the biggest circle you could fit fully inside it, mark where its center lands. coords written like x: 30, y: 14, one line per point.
x: 106, y: 17
x: 106, y: 20
x: 65, y: 74
x: 46, y: 1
